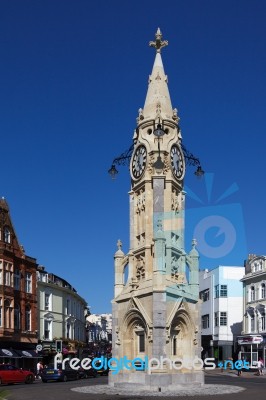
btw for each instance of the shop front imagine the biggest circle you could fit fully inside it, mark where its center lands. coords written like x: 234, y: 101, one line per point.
x: 252, y: 348
x: 20, y: 358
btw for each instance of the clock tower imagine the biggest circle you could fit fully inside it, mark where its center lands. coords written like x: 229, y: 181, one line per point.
x: 155, y: 305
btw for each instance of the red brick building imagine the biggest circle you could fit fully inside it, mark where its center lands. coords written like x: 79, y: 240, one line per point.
x: 18, y: 299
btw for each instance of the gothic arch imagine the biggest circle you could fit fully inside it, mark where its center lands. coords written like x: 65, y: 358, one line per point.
x: 134, y: 332
x: 182, y: 333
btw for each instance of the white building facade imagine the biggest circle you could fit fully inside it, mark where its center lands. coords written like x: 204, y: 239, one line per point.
x: 61, y: 310
x: 252, y: 342
x: 221, y: 292
x: 99, y: 327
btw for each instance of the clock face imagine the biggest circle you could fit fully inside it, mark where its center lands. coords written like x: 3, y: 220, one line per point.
x: 139, y: 162
x: 177, y: 162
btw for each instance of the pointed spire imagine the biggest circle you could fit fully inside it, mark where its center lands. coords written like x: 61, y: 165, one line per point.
x: 194, y: 252
x: 3, y: 204
x: 119, y: 252
x: 158, y: 103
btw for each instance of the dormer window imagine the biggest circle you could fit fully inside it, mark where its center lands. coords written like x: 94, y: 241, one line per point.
x: 7, y: 235
x: 256, y: 266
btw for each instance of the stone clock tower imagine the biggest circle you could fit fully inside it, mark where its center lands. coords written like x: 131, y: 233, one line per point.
x: 155, y: 305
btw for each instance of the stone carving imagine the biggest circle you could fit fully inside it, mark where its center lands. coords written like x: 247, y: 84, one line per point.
x: 158, y: 110
x: 150, y: 338
x: 134, y: 284
x: 176, y: 203
x: 166, y: 164
x: 140, y: 116
x: 175, y: 274
x: 175, y: 115
x: 168, y: 335
x: 117, y: 331
x: 150, y: 164
x: 140, y: 202
x: 140, y: 268
x: 174, y: 267
x: 158, y: 44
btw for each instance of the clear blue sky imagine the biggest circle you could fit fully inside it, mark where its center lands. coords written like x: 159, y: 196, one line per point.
x: 73, y: 74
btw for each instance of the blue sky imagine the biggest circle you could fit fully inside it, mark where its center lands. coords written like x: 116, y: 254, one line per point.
x: 73, y: 74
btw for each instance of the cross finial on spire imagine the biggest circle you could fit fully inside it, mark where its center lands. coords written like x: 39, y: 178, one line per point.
x: 159, y: 43
x: 119, y: 244
x: 194, y: 243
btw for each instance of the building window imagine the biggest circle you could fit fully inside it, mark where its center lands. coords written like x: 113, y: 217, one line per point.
x: 252, y: 323
x: 8, y: 314
x: 7, y: 235
x: 257, y: 266
x: 47, y: 301
x: 68, y: 307
x: 216, y: 319
x: 220, y: 291
x: 16, y: 317
x: 42, y: 277
x: 252, y: 293
x: 8, y: 274
x: 1, y: 272
x: 223, y: 318
x: 28, y: 285
x: 0, y: 312
x: 205, y: 295
x: 205, y: 321
x: 223, y: 291
x: 220, y: 319
x: 68, y: 330
x: 141, y: 342
x: 17, y: 279
x: 263, y: 326
x: 174, y: 346
x: 28, y: 318
x: 8, y: 278
x: 47, y: 329
x: 263, y: 292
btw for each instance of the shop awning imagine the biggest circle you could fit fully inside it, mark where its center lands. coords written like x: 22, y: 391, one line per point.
x: 9, y: 353
x: 250, y: 339
x: 28, y: 354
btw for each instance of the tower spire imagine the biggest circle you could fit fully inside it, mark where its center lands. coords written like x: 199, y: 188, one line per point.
x: 158, y: 103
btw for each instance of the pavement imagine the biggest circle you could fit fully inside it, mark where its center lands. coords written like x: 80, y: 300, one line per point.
x: 233, y: 373
x: 235, y: 388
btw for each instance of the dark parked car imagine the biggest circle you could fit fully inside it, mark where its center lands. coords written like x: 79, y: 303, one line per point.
x: 11, y: 374
x: 49, y: 373
x: 85, y: 373
x: 100, y: 369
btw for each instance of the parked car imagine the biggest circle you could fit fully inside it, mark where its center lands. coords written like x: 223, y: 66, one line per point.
x: 85, y: 373
x: 101, y: 371
x: 11, y: 374
x: 49, y: 373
